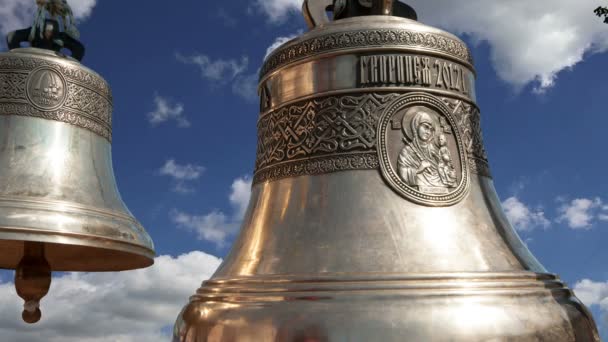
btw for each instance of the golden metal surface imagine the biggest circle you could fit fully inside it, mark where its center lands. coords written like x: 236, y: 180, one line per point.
x: 373, y: 215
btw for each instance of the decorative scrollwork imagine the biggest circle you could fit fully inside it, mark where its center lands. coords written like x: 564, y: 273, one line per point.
x: 82, y: 98
x: 469, y: 121
x: 62, y: 114
x: 319, y: 127
x: 12, y: 86
x: 338, y: 133
x: 71, y: 71
x: 366, y: 38
x: 314, y: 166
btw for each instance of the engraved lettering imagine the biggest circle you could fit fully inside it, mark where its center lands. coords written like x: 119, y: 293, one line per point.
x: 383, y: 71
x: 417, y: 70
x: 447, y: 76
x: 452, y: 83
x: 426, y: 71
x: 374, y: 69
x: 392, y: 72
x: 401, y: 69
x: 364, y: 70
x: 411, y: 70
x: 439, y: 83
x: 458, y: 78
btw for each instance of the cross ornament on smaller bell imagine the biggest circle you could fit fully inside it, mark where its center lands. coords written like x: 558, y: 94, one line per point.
x: 60, y: 209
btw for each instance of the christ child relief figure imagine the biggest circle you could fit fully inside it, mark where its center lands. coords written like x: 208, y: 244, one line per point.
x: 425, y: 163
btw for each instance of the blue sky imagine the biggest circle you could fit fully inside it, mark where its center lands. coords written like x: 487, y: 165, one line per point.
x: 185, y: 112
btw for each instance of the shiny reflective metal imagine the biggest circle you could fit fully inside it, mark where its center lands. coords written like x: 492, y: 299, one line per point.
x: 58, y: 196
x: 373, y: 215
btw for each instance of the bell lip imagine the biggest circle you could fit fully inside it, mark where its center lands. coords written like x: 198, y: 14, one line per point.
x: 370, y: 22
x: 65, y: 223
x: 416, y: 309
x: 85, y: 253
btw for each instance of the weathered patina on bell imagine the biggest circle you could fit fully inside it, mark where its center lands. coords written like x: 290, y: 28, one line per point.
x: 373, y: 216
x: 60, y: 209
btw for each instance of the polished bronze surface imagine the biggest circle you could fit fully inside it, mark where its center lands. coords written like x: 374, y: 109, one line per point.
x: 373, y: 215
x: 57, y: 186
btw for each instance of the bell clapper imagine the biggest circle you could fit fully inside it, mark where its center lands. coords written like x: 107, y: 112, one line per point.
x: 32, y: 280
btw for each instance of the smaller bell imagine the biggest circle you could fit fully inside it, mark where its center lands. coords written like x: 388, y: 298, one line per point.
x: 60, y: 209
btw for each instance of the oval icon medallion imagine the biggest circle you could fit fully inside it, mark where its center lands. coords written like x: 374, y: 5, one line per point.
x: 420, y: 151
x: 46, y: 89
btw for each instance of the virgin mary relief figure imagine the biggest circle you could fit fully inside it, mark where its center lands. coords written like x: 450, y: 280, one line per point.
x: 425, y: 162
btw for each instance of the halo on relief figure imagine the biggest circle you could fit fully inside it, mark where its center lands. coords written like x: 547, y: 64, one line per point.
x: 410, y: 113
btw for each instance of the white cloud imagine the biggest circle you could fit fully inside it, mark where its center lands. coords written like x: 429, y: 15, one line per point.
x: 166, y: 111
x: 280, y: 41
x: 603, y: 215
x: 224, y: 72
x: 216, y: 70
x: 214, y: 226
x: 82, y: 8
x: 246, y: 86
x: 530, y: 41
x: 278, y: 10
x: 217, y: 226
x: 19, y: 14
x: 521, y: 217
x: 181, y: 174
x: 131, y: 306
x: 239, y: 197
x: 580, y: 213
x: 592, y: 293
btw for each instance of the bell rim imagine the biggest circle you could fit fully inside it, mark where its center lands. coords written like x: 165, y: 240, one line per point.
x: 139, y: 256
x: 78, y: 226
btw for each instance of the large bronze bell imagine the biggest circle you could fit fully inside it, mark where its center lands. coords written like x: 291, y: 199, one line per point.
x: 60, y: 209
x: 373, y: 216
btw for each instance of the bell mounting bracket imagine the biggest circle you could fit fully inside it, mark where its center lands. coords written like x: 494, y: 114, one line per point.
x: 316, y: 11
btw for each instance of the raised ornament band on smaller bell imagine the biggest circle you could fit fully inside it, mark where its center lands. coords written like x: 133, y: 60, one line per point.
x: 60, y: 209
x: 373, y: 214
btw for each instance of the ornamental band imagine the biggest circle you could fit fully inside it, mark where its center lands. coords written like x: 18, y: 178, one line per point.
x: 373, y: 214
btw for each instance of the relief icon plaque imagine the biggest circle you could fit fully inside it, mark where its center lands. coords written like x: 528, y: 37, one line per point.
x: 421, y: 152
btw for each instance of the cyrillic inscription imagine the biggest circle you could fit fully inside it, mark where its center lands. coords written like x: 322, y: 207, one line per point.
x: 411, y: 70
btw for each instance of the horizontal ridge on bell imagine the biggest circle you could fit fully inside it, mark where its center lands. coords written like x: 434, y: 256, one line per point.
x: 57, y: 183
x: 373, y: 215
